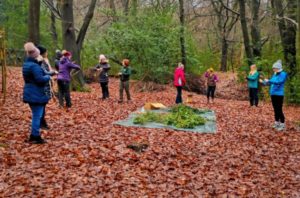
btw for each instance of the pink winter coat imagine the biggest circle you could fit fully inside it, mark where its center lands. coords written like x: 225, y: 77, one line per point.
x: 179, y: 78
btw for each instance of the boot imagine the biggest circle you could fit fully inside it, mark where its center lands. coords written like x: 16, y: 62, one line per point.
x: 281, y: 127
x: 44, y: 125
x: 36, y: 140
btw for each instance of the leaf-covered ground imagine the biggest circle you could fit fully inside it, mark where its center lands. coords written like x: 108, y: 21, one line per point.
x: 87, y: 156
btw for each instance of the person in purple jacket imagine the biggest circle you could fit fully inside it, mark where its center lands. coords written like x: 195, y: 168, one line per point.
x: 64, y: 78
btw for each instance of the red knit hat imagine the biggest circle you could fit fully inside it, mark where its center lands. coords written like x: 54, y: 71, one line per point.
x: 125, y: 62
x: 66, y: 53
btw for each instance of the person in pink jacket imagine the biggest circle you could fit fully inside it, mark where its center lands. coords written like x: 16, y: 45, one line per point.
x: 179, y: 81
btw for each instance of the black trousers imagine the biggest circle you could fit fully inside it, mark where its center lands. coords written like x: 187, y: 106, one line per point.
x: 43, y: 120
x: 64, y: 93
x: 277, y: 102
x: 105, y: 92
x: 253, y: 95
x: 179, y: 95
x: 211, y: 92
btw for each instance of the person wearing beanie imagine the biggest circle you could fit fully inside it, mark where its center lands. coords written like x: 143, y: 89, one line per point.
x: 64, y: 78
x: 103, y: 67
x: 277, y: 83
x: 34, y: 94
x: 253, y: 79
x: 124, y: 80
x: 58, y: 56
x: 212, y: 80
x: 48, y: 70
x: 179, y: 82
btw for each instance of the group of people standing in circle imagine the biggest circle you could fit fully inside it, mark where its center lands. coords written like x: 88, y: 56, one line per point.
x: 37, y: 74
x: 38, y: 86
x: 276, y: 83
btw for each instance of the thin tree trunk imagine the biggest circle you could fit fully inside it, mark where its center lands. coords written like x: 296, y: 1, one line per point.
x: 224, y: 55
x: 182, y: 32
x: 255, y: 29
x: 125, y: 4
x: 53, y: 27
x: 113, y: 9
x: 245, y: 32
x: 34, y: 21
x: 87, y: 19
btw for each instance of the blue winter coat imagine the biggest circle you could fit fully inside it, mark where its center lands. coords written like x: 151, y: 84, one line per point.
x: 35, y: 81
x: 277, y: 84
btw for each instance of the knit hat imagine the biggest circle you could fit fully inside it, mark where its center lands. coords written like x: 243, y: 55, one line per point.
x: 125, y: 62
x: 66, y: 53
x: 102, y: 58
x: 277, y: 65
x: 31, y: 50
x: 58, y: 54
x: 42, y: 50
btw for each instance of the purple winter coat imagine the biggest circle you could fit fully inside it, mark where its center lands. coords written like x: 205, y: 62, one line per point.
x: 65, y: 67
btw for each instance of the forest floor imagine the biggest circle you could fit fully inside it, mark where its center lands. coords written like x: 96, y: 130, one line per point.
x: 87, y: 155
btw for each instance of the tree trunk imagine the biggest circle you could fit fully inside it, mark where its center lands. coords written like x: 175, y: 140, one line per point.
x: 255, y: 29
x: 224, y: 55
x: 125, y: 4
x: 53, y: 31
x: 87, y: 19
x: 288, y: 35
x: 34, y: 21
x: 182, y: 32
x: 112, y: 6
x: 68, y: 29
x: 245, y: 32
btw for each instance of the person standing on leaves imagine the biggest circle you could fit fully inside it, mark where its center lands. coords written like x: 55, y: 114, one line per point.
x: 276, y: 83
x: 44, y: 62
x: 253, y: 80
x: 58, y: 56
x: 212, y: 80
x: 124, y: 80
x: 103, y: 67
x: 64, y: 78
x: 179, y: 81
x: 34, y: 90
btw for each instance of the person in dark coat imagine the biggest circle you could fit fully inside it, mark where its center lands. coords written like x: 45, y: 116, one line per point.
x: 44, y: 62
x: 64, y: 78
x: 34, y: 90
x: 103, y: 67
x: 58, y: 56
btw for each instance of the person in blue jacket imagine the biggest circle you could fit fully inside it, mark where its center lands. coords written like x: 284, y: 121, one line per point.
x: 276, y: 83
x: 253, y: 80
x: 34, y: 90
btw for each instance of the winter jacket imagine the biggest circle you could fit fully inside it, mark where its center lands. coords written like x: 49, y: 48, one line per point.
x: 253, y: 80
x: 35, y: 81
x: 65, y: 67
x: 211, y: 79
x: 277, y: 83
x: 179, y: 77
x: 125, y: 73
x: 103, y: 77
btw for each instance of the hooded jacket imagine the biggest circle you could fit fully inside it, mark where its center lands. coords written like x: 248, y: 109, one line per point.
x: 36, y: 81
x: 65, y: 67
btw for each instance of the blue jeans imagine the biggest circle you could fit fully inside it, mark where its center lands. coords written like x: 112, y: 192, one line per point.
x: 37, y: 112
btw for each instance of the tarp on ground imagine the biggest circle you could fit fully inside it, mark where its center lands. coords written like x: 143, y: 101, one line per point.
x: 209, y: 127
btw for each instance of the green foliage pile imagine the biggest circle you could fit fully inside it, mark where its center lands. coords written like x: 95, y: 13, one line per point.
x: 180, y: 116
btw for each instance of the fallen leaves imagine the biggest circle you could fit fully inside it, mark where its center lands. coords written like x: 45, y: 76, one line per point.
x: 86, y: 155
